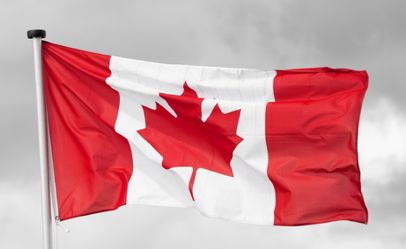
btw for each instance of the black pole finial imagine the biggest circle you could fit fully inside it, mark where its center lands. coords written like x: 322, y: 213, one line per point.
x: 34, y: 33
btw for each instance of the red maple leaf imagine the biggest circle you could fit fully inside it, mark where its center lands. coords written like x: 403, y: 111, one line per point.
x: 187, y: 141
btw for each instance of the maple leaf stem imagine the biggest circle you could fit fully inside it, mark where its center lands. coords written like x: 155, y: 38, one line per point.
x: 192, y: 181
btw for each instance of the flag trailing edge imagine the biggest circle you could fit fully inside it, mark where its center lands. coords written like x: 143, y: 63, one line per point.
x: 263, y: 147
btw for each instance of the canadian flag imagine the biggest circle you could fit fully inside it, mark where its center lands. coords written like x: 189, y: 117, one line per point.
x: 263, y: 147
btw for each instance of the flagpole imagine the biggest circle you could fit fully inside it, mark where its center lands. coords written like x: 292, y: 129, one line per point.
x: 37, y: 35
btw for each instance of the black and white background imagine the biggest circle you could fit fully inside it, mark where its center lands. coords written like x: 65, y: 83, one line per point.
x: 264, y: 34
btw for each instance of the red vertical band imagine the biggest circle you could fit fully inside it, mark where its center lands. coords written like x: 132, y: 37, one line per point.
x: 92, y: 163
x: 311, y: 134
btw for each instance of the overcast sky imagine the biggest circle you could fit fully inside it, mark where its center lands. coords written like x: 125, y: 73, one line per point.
x: 260, y: 34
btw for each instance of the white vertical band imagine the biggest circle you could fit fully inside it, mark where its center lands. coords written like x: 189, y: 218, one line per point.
x: 249, y: 195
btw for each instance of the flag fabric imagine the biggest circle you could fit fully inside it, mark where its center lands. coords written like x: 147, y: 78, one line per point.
x: 263, y: 147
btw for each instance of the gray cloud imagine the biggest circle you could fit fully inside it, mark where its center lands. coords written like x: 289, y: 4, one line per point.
x: 358, y: 34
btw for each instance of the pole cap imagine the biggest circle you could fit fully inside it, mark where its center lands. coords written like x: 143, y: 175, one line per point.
x: 36, y: 33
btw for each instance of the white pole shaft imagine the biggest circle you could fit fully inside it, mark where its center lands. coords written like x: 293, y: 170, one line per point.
x: 43, y: 146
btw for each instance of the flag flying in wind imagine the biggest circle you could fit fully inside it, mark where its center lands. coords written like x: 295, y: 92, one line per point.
x: 263, y: 147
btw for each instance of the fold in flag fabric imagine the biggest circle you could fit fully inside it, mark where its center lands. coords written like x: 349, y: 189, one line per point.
x: 263, y: 147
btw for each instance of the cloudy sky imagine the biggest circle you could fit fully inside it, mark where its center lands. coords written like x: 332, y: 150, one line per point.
x: 260, y: 34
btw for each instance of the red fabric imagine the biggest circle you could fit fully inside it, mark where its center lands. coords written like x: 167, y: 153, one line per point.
x: 92, y: 163
x: 311, y: 134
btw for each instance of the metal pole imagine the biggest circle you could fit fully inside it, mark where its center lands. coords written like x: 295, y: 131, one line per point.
x: 36, y: 36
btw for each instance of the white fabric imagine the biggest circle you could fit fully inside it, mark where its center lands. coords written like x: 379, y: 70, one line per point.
x: 248, y: 196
